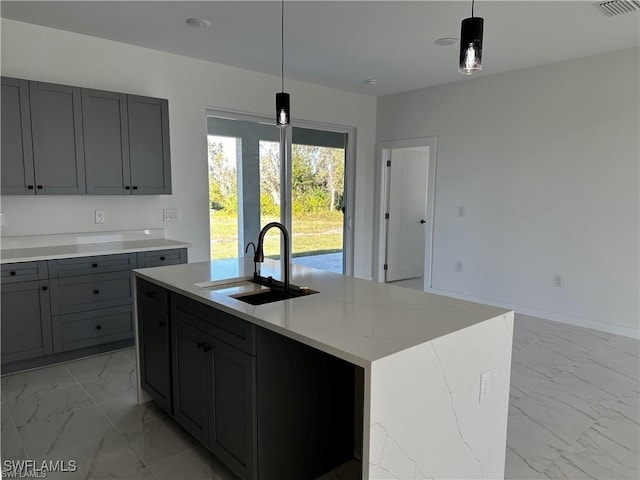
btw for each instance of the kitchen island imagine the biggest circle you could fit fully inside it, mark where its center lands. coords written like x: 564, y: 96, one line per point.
x: 430, y: 374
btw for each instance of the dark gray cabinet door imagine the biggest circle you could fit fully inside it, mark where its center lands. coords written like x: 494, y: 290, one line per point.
x: 149, y: 152
x: 56, y: 125
x: 106, y: 142
x: 191, y: 379
x: 26, y: 321
x: 16, y: 152
x: 155, y: 352
x: 232, y: 434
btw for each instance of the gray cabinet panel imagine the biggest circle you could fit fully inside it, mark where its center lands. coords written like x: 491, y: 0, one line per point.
x: 70, y: 267
x: 192, y: 383
x: 106, y: 142
x: 84, y: 329
x: 150, y: 155
x: 58, y: 153
x: 16, y: 149
x: 23, y: 272
x: 232, y: 434
x: 26, y: 321
x: 90, y: 292
x: 155, y: 352
x: 158, y: 258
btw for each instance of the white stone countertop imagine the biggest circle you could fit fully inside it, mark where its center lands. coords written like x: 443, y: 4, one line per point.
x: 51, y: 247
x: 358, y: 320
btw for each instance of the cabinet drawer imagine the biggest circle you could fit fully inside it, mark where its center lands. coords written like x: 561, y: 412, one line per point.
x: 90, y: 292
x: 70, y: 267
x: 78, y: 330
x: 153, y: 295
x: 23, y: 272
x: 231, y: 330
x: 159, y: 258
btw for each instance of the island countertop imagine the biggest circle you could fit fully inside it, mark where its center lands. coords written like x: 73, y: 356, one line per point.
x: 354, y: 319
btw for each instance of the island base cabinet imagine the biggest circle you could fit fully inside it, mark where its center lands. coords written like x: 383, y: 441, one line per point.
x: 155, y: 350
x: 214, y: 396
x: 26, y: 321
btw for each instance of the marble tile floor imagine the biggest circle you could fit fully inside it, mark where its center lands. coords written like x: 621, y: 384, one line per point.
x: 573, y: 414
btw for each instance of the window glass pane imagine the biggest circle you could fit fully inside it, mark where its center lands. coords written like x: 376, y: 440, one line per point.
x: 270, y: 195
x: 223, y: 196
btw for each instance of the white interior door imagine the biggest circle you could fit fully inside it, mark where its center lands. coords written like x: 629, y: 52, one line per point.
x: 407, y: 208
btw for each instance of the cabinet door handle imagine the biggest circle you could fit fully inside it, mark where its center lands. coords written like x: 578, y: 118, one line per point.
x: 162, y: 323
x: 162, y: 259
x: 40, y: 187
x: 199, y: 345
x: 44, y: 289
x: 94, y: 265
x: 96, y: 292
x: 12, y: 273
x: 135, y: 187
x: 206, y: 347
x: 127, y: 187
x: 29, y: 187
x: 98, y: 327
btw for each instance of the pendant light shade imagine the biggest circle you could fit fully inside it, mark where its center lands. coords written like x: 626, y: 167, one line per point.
x: 471, y: 44
x: 282, y: 109
x: 283, y: 103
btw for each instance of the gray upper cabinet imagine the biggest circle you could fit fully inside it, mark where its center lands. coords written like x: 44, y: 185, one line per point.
x: 56, y: 126
x: 106, y: 142
x: 149, y: 145
x: 17, y: 155
x: 65, y: 140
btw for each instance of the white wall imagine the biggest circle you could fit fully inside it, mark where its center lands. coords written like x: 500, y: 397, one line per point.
x: 546, y: 162
x: 39, y: 53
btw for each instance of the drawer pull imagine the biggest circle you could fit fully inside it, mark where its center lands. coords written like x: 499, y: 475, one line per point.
x: 199, y: 345
x: 127, y: 187
x: 98, y: 327
x: 40, y: 187
x: 12, y: 273
x: 162, y: 323
x: 96, y: 292
x: 206, y: 348
x: 162, y: 259
x: 94, y: 265
x: 44, y: 289
x: 135, y: 188
x: 29, y: 187
x: 148, y: 294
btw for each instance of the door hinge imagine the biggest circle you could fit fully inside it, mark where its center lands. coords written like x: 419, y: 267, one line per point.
x: 386, y: 267
x: 386, y: 216
x: 388, y: 163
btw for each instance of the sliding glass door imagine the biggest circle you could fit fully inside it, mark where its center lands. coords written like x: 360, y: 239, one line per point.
x: 304, y: 189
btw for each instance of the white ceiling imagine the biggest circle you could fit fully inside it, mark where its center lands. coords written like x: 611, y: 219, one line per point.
x: 339, y: 44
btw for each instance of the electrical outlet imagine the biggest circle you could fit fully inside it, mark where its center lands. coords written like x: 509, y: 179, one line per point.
x: 558, y: 280
x: 461, y: 211
x: 171, y: 215
x: 99, y: 216
x: 457, y: 266
x: 485, y: 384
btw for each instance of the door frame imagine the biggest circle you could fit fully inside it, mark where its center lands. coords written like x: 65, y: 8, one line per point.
x: 349, y: 172
x: 384, y: 149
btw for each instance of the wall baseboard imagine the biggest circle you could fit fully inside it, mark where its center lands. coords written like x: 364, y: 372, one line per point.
x: 544, y: 314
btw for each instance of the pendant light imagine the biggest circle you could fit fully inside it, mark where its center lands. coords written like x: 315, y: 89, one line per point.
x: 283, y: 111
x: 471, y: 44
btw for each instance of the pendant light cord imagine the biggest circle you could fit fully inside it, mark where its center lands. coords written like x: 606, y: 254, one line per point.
x: 282, y: 42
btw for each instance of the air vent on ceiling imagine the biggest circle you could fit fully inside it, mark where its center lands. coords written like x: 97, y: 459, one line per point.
x: 618, y: 7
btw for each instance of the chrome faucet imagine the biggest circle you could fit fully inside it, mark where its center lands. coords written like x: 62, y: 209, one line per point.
x: 259, y: 255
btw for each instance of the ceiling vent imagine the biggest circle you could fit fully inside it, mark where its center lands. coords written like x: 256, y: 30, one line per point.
x: 618, y: 7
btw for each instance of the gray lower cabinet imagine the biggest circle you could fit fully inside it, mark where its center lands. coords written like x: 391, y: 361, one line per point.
x: 155, y: 343
x: 24, y: 303
x: 56, y: 128
x: 17, y: 154
x: 214, y: 391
